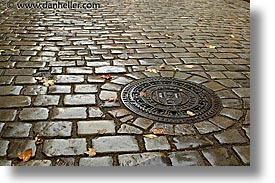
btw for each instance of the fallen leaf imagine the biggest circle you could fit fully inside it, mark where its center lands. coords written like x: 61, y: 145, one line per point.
x: 148, y: 44
x: 190, y: 113
x: 143, y: 94
x: 38, y: 140
x: 112, y: 99
x: 189, y: 66
x: 157, y: 131
x: 26, y: 155
x: 209, y: 46
x: 48, y: 82
x: 162, y: 66
x: 91, y: 152
x: 106, y: 76
x: 150, y: 136
x: 232, y: 36
x: 152, y: 70
x: 168, y: 36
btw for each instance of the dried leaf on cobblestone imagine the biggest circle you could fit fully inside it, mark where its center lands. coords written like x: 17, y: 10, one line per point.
x: 152, y: 70
x: 162, y: 66
x: 113, y: 99
x: 91, y: 152
x: 190, y: 113
x: 158, y: 131
x: 48, y: 82
x: 142, y: 94
x: 106, y: 76
x: 38, y: 140
x: 101, y: 131
x: 209, y: 46
x: 232, y: 36
x: 150, y: 136
x: 168, y: 36
x: 148, y: 44
x: 189, y: 66
x: 26, y: 155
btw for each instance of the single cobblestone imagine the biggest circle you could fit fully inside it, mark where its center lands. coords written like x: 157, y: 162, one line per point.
x: 53, y: 129
x: 186, y: 158
x: 64, y: 162
x: 5, y: 163
x: 117, y: 113
x: 96, y: 161
x: 16, y: 130
x: 95, y: 112
x: 128, y: 129
x: 191, y: 142
x: 46, y: 100
x: 142, y: 159
x: 10, y: 90
x: 59, y: 89
x: 85, y: 88
x: 34, y: 90
x: 34, y: 114
x: 7, y: 115
x: 184, y: 129
x: 96, y: 127
x: 80, y: 99
x: 15, y: 101
x: 244, y: 153
x: 206, y: 127
x: 222, y: 122
x: 110, y: 70
x: 62, y: 147
x: 220, y: 157
x: 143, y: 123
x: 167, y: 128
x: 3, y: 147
x: 230, y: 136
x: 68, y: 79
x: 115, y: 144
x: 159, y: 143
x: 69, y: 113
x: 106, y: 95
x: 35, y: 163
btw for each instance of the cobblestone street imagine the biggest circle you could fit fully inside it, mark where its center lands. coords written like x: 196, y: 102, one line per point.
x: 62, y: 72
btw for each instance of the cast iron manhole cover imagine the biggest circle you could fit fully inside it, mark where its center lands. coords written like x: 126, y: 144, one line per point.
x: 170, y: 100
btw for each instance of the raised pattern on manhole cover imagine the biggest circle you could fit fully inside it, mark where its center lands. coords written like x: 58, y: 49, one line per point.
x: 170, y: 100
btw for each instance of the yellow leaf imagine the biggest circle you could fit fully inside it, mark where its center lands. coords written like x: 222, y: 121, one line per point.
x: 48, y: 82
x: 150, y: 136
x: 38, y: 140
x: 209, y: 46
x: 91, y: 152
x: 26, y: 155
x: 143, y: 94
x: 158, y: 131
x: 190, y: 113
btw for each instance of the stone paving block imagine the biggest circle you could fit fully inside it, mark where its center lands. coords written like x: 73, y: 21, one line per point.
x: 69, y: 113
x: 14, y: 101
x: 242, y: 92
x: 59, y: 89
x: 244, y: 153
x: 80, y: 99
x: 206, y: 127
x: 64, y: 147
x: 6, y: 80
x: 64, y: 162
x: 230, y: 136
x: 95, y: 112
x: 143, y: 123
x: 46, y: 100
x: 232, y: 103
x: 106, y: 95
x: 128, y: 129
x: 167, y: 128
x: 1, y: 126
x: 142, y: 159
x: 115, y: 144
x: 53, y: 129
x: 121, y: 80
x: 184, y: 129
x: 111, y: 87
x: 96, y: 127
x: 220, y: 157
x: 16, y: 129
x: 226, y: 94
x: 158, y: 143
x: 232, y: 113
x: 191, y: 142
x: 80, y: 70
x: 96, y: 161
x: 3, y: 147
x: 35, y: 163
x: 117, y: 113
x: 68, y: 79
x: 110, y: 70
x: 34, y: 90
x: 7, y: 115
x: 17, y: 146
x: 25, y: 80
x: 34, y: 114
x: 10, y: 90
x: 186, y: 158
x: 85, y: 88
x: 222, y: 122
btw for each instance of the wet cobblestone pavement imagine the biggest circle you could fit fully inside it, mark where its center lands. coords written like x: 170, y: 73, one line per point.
x: 92, y: 54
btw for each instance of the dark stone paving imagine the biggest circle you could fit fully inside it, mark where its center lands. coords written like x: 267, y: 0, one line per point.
x: 92, y: 54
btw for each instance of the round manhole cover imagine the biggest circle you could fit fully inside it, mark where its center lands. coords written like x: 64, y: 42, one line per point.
x: 170, y: 100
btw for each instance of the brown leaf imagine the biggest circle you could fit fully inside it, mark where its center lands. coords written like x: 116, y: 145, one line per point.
x: 143, y: 94
x: 106, y: 76
x: 26, y: 155
x: 157, y: 131
x: 91, y: 152
x: 190, y: 113
x: 38, y: 140
x: 162, y: 66
x: 112, y: 99
x: 209, y: 46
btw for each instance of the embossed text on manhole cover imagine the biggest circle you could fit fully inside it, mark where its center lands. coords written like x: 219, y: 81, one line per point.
x: 170, y: 100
